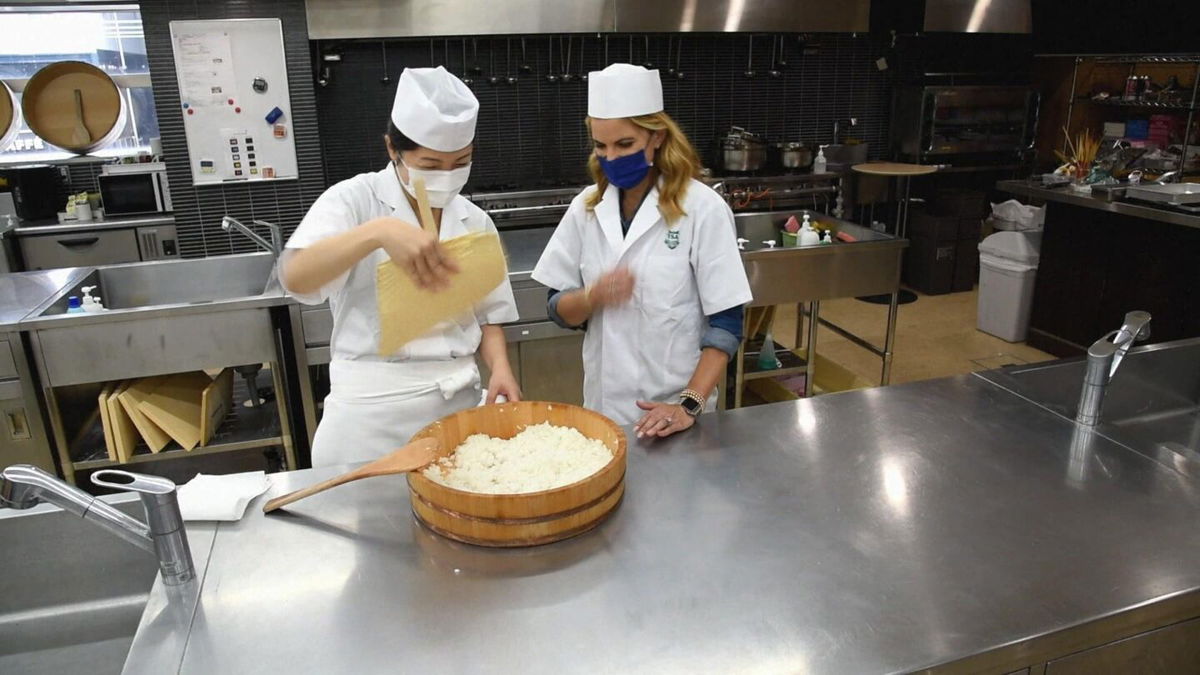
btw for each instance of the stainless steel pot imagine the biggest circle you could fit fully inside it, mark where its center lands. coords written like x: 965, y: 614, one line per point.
x: 741, y: 150
x: 793, y: 155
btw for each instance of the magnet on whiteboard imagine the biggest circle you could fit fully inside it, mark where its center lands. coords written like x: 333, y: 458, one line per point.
x: 191, y: 111
x: 259, y: 85
x: 274, y: 115
x: 268, y: 172
x: 238, y: 109
x: 280, y: 131
x: 208, y: 166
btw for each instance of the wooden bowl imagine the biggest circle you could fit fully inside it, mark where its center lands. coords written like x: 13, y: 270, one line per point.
x: 10, y: 115
x: 49, y: 105
x: 531, y: 518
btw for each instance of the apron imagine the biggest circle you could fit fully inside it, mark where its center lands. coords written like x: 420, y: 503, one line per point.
x: 375, y: 407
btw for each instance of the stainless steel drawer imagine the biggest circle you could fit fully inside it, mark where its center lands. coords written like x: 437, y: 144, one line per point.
x: 80, y: 249
x: 317, y: 324
x: 531, y: 301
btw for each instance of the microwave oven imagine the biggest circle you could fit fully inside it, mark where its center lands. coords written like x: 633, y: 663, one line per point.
x: 134, y: 189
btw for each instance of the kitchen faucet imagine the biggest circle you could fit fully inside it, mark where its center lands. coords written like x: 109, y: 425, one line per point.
x: 23, y: 486
x: 837, y: 126
x: 275, y: 246
x: 1103, y: 359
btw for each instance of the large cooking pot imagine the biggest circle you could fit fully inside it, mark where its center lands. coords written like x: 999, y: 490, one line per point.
x: 741, y: 150
x: 10, y: 115
x: 793, y: 155
x: 75, y: 106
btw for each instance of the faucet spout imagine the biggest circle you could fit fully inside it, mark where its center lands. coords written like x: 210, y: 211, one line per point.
x: 23, y: 486
x: 275, y: 245
x: 1103, y: 359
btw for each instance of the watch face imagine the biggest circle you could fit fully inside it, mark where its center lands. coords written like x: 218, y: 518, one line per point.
x: 691, y: 405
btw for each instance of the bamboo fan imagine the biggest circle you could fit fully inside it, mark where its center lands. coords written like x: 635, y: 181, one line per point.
x: 407, y: 312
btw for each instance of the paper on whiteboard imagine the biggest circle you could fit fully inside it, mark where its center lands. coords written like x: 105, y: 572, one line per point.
x: 205, y: 67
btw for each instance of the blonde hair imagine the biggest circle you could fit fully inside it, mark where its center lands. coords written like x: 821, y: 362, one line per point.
x: 676, y: 161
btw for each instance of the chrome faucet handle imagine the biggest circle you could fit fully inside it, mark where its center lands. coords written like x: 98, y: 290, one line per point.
x: 276, y: 233
x: 1114, y: 345
x: 160, y: 499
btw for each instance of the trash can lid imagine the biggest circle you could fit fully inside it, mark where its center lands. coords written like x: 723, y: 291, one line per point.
x: 1015, y: 246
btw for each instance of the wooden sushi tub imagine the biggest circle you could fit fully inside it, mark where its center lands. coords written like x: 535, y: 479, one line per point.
x: 63, y: 95
x: 527, y: 519
x: 10, y: 115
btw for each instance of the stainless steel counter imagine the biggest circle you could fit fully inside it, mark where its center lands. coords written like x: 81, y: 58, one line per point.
x: 1064, y: 195
x: 115, y: 223
x: 22, y: 292
x: 885, y: 530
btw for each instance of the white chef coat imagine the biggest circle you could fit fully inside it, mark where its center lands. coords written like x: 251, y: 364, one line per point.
x: 648, y: 348
x: 376, y: 402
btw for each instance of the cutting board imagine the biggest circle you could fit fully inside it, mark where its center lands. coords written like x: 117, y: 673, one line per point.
x: 215, y: 402
x: 175, y: 406
x: 125, y: 433
x: 130, y: 399
x: 106, y: 420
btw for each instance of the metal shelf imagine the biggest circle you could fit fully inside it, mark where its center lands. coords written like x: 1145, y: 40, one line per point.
x: 1149, y: 58
x: 1118, y: 103
x: 792, y: 363
x: 242, y: 429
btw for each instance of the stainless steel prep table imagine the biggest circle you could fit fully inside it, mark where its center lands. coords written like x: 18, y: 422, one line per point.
x: 961, y: 527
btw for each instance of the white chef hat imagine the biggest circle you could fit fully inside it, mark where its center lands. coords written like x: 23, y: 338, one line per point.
x: 435, y: 109
x: 624, y: 90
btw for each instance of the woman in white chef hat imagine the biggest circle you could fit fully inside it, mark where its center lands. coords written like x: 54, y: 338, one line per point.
x: 646, y: 261
x: 376, y: 403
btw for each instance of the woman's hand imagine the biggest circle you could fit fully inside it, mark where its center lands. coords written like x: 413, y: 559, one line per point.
x: 662, y: 420
x: 503, y: 383
x: 612, y: 289
x: 415, y: 251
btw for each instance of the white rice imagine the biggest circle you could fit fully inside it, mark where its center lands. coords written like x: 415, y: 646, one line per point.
x: 541, y: 457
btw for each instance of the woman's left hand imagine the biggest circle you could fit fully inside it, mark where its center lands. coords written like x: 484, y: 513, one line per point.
x: 503, y: 384
x: 662, y: 420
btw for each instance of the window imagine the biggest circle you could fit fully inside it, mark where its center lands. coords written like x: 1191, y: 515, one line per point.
x: 106, y: 36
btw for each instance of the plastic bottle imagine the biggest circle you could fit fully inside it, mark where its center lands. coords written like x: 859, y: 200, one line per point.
x: 91, y: 304
x: 820, y: 162
x: 766, y: 356
x: 74, y: 306
x: 808, y: 236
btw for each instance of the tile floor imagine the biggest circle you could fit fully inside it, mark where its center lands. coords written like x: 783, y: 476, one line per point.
x: 935, y: 337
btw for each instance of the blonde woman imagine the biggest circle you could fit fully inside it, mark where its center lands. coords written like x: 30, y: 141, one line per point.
x: 646, y: 261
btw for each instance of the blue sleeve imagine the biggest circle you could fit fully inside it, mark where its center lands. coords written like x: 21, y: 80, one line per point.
x: 725, y: 331
x: 552, y: 299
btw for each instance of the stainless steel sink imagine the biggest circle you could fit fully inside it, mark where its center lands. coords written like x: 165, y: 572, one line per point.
x: 1152, y: 404
x: 175, y: 282
x: 71, y: 595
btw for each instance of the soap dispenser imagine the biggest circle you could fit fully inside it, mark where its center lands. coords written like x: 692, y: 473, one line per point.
x: 820, y: 162
x: 91, y: 304
x: 808, y: 236
x: 73, y: 306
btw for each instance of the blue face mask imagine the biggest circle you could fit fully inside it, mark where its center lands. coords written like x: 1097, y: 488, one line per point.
x: 626, y: 171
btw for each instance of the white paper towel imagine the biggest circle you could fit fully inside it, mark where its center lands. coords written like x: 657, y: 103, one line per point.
x: 221, y: 497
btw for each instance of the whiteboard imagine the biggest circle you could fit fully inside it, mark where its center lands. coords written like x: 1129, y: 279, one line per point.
x: 233, y: 91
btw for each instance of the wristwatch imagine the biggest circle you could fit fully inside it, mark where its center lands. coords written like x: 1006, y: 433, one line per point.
x: 691, y: 402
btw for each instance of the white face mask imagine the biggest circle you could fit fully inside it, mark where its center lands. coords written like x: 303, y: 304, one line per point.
x: 441, y: 186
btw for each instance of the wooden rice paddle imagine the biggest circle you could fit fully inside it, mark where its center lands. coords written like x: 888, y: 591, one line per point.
x: 414, y: 456
x: 80, y: 135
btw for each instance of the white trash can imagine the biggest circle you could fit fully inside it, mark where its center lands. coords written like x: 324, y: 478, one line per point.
x: 1007, y: 269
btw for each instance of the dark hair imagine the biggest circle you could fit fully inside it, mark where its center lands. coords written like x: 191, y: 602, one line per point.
x: 399, y: 141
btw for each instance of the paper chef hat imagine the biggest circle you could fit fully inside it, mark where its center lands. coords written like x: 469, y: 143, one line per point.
x: 624, y: 90
x: 435, y: 109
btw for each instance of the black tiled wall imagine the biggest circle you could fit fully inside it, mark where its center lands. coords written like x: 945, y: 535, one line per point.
x: 531, y: 133
x: 198, y: 211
